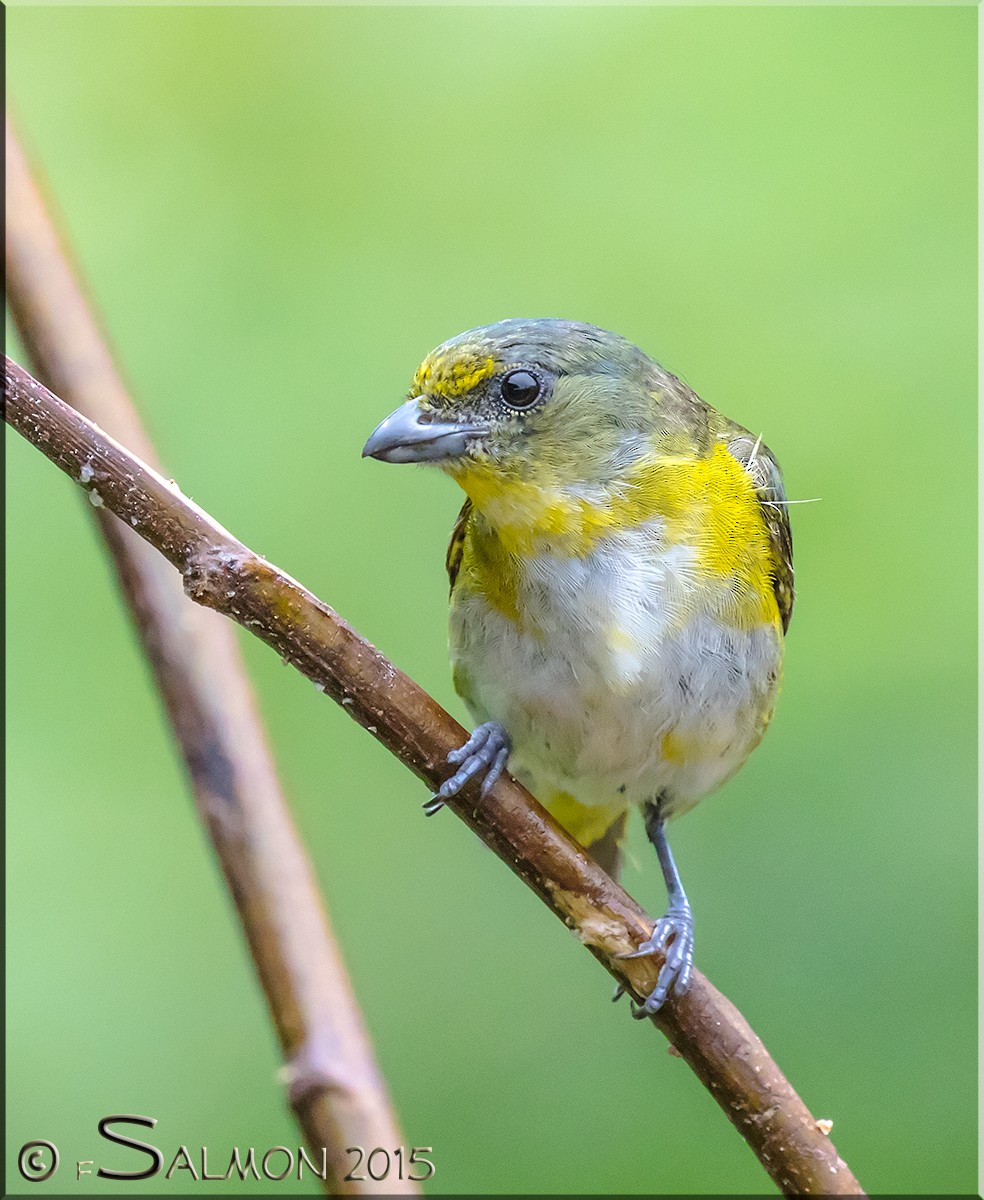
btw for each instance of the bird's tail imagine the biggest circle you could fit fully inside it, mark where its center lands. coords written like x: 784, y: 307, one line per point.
x: 607, y: 850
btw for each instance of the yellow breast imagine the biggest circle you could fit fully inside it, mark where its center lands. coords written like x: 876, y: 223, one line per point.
x: 706, y: 504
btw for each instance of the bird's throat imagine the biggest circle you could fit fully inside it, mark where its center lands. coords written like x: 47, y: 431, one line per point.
x: 528, y: 516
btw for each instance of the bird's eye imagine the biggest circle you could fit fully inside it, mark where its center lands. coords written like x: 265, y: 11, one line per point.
x: 520, y: 389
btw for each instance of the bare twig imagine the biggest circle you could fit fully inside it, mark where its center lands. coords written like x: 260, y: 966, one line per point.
x: 220, y: 572
x: 333, y: 1082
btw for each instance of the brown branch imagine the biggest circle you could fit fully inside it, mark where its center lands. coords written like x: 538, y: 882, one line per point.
x: 221, y: 573
x: 334, y: 1085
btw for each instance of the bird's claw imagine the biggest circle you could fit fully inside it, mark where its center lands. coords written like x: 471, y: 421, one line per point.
x: 673, y: 937
x: 638, y: 1012
x: 484, y: 753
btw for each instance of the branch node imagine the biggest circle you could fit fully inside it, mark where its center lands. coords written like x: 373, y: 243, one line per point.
x: 313, y: 1069
x: 213, y: 575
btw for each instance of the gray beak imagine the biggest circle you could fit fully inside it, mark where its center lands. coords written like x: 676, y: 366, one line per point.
x: 409, y: 435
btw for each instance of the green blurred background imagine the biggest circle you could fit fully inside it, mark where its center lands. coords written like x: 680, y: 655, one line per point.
x: 280, y: 212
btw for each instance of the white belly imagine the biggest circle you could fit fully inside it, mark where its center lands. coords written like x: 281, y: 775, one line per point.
x: 622, y: 686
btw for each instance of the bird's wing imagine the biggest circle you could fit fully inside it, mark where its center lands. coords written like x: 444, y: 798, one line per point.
x: 759, y: 461
x: 456, y: 546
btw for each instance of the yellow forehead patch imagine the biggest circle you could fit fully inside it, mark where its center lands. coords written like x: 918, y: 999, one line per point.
x: 450, y: 378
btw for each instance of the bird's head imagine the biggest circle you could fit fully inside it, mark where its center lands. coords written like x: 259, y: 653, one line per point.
x: 545, y: 402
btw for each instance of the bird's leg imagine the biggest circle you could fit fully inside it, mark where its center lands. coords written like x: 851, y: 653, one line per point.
x: 673, y: 934
x: 484, y: 753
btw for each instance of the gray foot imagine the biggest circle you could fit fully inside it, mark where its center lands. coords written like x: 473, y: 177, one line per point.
x: 673, y: 935
x: 484, y: 753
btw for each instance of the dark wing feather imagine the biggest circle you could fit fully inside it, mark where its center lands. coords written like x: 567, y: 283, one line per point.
x: 456, y: 546
x: 759, y: 461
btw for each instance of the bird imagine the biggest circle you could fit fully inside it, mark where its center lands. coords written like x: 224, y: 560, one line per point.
x: 621, y: 584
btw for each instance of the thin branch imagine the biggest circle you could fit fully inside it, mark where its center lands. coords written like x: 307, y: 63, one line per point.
x: 221, y: 573
x: 333, y: 1082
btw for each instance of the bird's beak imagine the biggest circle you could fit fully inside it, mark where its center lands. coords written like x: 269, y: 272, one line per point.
x: 412, y: 435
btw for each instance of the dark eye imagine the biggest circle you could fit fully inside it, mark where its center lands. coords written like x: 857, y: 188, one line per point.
x: 520, y: 389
